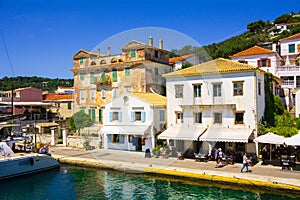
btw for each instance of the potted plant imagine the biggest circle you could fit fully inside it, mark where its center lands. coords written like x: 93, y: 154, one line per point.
x: 156, y: 151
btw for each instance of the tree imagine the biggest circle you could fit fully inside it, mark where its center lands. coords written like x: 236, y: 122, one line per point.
x: 278, y: 106
x: 282, y: 19
x: 256, y: 27
x: 269, y: 101
x: 79, y: 121
x: 186, y: 65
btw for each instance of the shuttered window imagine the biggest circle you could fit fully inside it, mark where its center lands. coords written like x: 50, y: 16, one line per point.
x: 114, y: 75
x: 291, y: 48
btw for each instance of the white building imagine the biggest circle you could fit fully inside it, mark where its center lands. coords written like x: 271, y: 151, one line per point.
x: 131, y: 121
x: 217, y: 103
x: 177, y: 62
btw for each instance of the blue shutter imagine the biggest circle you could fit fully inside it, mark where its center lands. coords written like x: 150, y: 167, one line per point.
x: 132, y: 116
x: 110, y: 116
x: 161, y: 115
x: 122, y: 139
x: 120, y: 116
x: 133, y: 141
x: 143, y: 116
x: 109, y: 138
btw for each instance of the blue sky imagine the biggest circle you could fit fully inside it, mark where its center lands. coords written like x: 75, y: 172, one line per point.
x: 42, y: 35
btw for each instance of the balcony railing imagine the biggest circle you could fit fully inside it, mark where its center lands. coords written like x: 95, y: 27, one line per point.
x: 289, y: 68
x: 103, y: 81
x: 288, y: 83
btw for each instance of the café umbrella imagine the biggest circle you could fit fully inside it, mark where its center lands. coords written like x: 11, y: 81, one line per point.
x: 270, y: 138
x: 293, y: 141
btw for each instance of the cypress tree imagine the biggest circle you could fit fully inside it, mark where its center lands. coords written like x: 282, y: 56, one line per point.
x: 269, y: 101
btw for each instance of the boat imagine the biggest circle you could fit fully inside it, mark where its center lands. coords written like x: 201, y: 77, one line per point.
x: 22, y: 163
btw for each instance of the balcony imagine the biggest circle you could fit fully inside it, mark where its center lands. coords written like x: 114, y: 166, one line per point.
x: 103, y: 81
x: 288, y: 83
x: 288, y: 68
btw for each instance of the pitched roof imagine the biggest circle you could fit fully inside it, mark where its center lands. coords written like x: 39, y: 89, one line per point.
x: 151, y: 98
x: 58, y: 97
x: 256, y: 50
x: 217, y: 66
x: 83, y: 53
x: 179, y: 58
x: 292, y: 37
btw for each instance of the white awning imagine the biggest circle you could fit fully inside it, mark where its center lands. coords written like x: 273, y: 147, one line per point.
x: 293, y: 141
x: 182, y: 133
x: 270, y: 138
x: 127, y: 130
x: 216, y: 134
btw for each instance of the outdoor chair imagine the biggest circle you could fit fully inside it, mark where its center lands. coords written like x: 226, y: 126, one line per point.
x: 288, y: 162
x: 200, y: 157
x: 180, y: 156
x: 230, y: 160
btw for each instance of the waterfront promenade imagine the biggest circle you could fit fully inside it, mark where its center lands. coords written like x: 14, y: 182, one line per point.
x: 267, y: 176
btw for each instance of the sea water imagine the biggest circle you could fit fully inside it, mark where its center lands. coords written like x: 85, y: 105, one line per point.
x: 85, y: 183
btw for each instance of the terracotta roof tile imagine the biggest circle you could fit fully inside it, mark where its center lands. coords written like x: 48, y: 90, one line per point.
x: 179, y: 58
x: 58, y: 97
x: 256, y: 50
x: 152, y: 98
x: 217, y: 66
x: 292, y: 37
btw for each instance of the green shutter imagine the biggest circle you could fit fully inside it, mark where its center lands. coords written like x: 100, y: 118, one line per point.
x: 132, y: 53
x: 103, y: 77
x: 127, y: 71
x: 114, y: 75
x: 81, y: 61
x: 69, y: 105
x: 92, y: 77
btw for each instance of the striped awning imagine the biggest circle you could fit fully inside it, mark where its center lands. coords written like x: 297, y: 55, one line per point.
x: 222, y: 134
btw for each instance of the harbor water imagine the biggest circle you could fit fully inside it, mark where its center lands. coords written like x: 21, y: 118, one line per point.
x: 85, y: 183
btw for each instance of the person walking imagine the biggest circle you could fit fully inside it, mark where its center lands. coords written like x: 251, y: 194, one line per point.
x: 216, y: 155
x: 245, y: 163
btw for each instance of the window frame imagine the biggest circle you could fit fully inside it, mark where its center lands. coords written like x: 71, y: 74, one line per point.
x: 114, y: 74
x: 127, y: 71
x: 179, y: 117
x: 198, y: 117
x: 292, y: 47
x: 179, y: 91
x: 237, y: 91
x: 218, y: 119
x: 217, y: 89
x: 197, y: 90
x: 236, y: 121
x: 132, y: 53
x: 93, y: 94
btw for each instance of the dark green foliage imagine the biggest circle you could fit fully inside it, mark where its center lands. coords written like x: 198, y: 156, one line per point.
x: 80, y: 120
x: 278, y: 106
x: 45, y: 84
x: 186, y: 65
x: 283, y: 19
x: 269, y: 101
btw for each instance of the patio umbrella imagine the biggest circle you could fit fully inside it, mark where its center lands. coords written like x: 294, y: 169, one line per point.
x: 270, y: 138
x: 293, y: 141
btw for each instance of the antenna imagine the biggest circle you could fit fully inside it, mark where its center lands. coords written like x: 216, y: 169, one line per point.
x: 6, y: 50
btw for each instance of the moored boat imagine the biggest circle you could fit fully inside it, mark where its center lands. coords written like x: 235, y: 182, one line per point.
x: 18, y: 164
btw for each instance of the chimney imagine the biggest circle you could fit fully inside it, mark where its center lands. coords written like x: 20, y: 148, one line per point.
x: 150, y: 41
x: 108, y: 51
x: 160, y: 43
x: 98, y: 51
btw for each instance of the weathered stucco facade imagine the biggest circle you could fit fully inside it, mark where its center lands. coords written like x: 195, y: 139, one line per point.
x: 100, y: 78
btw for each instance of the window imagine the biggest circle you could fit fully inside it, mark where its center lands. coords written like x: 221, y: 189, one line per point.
x: 264, y: 62
x: 217, y: 117
x: 81, y: 61
x: 92, y: 78
x: 178, y: 91
x: 92, y: 113
x: 291, y: 48
x: 197, y: 90
x: 93, y: 93
x: 179, y: 117
x: 82, y: 94
x: 132, y: 53
x: 155, y: 71
x: 125, y: 101
x: 81, y: 76
x: 115, y: 116
x: 198, y: 117
x: 238, y: 88
x: 127, y: 71
x: 239, y: 118
x: 115, y: 92
x: 243, y: 61
x: 103, y: 93
x: 100, y: 115
x: 259, y: 87
x: 217, y: 89
x: 155, y: 53
x: 114, y: 75
x: 115, y: 138
x: 138, y: 116
x: 161, y: 115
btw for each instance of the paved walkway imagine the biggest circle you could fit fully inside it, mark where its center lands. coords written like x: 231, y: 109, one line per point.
x: 261, y: 175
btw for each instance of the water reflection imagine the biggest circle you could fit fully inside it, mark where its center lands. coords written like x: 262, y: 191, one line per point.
x: 82, y: 183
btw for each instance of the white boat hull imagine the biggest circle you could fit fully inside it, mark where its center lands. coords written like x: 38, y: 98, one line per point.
x: 25, y: 164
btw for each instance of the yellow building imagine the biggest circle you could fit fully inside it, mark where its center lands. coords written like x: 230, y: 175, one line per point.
x: 100, y: 78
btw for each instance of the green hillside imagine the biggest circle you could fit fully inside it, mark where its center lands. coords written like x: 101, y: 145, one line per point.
x: 45, y: 84
x: 258, y: 33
